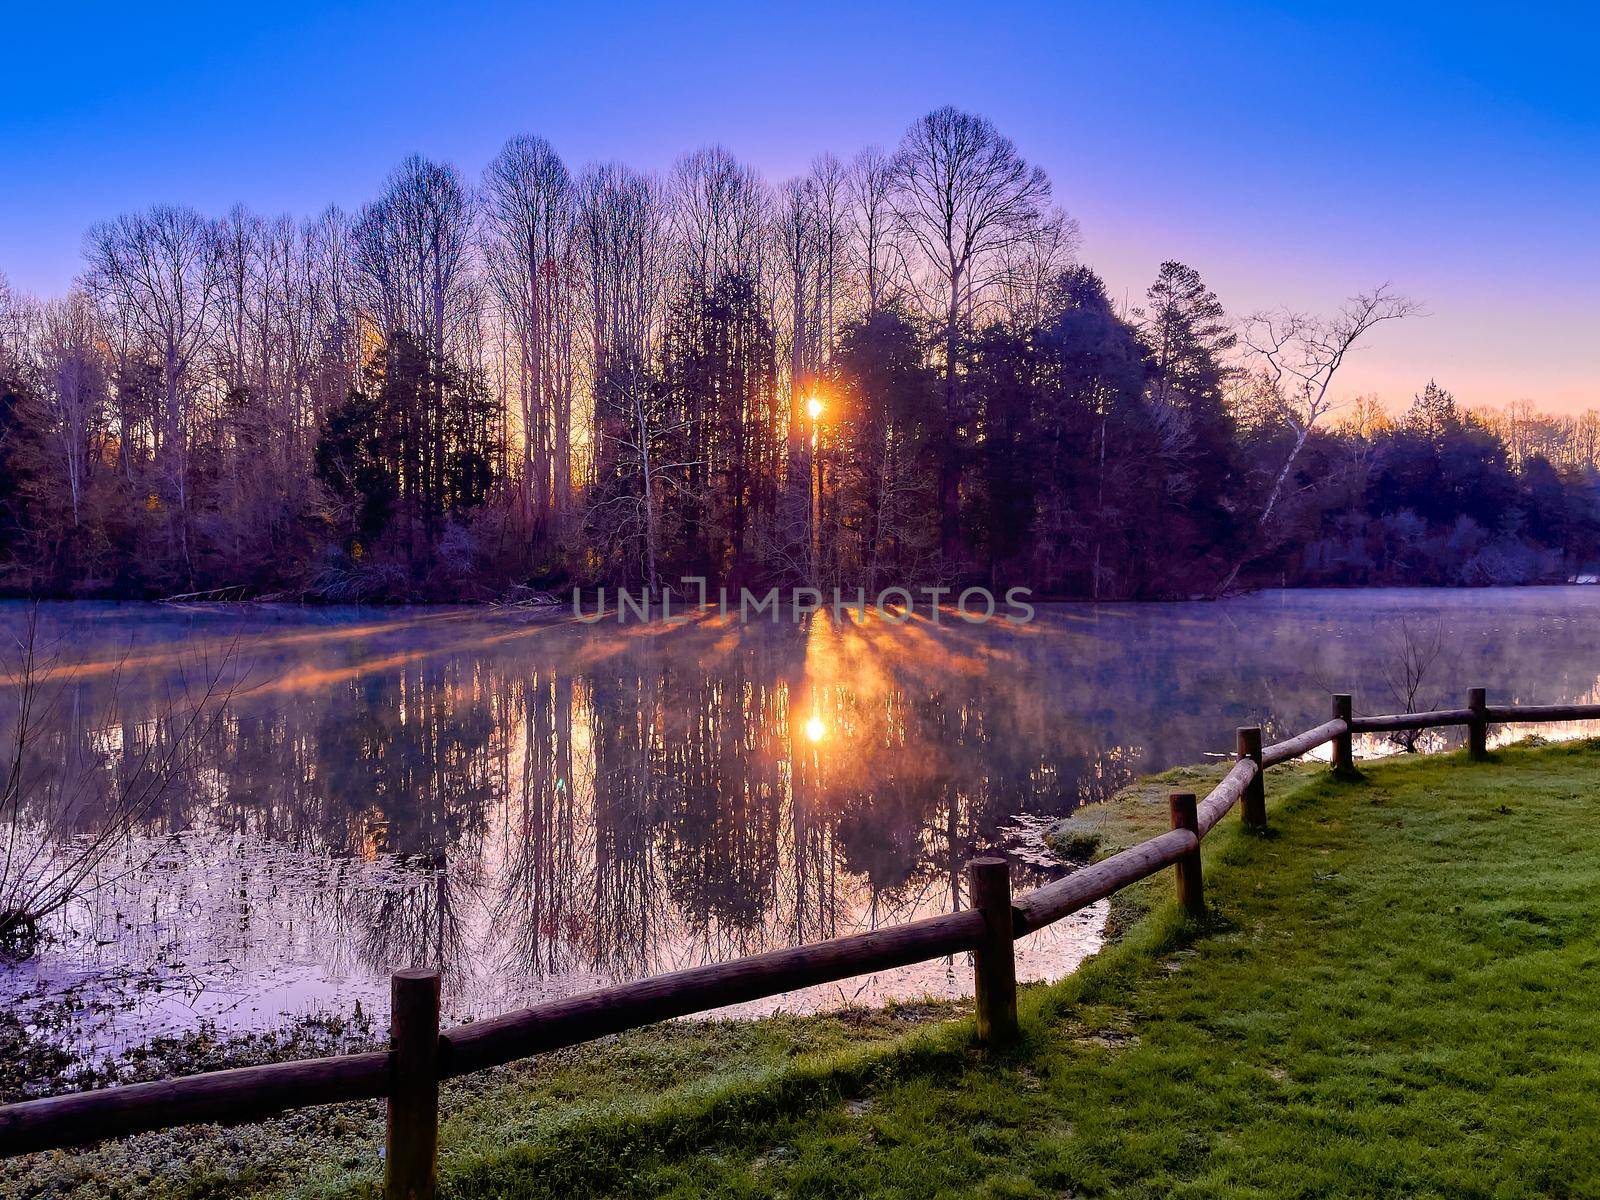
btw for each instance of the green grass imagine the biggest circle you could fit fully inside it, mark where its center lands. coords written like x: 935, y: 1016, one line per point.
x: 1394, y: 997
x: 334, y: 1150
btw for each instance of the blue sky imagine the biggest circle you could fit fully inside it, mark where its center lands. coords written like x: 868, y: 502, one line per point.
x: 1293, y: 156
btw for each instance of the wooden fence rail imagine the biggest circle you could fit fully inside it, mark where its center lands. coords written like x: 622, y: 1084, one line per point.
x: 583, y: 1018
x: 420, y: 1054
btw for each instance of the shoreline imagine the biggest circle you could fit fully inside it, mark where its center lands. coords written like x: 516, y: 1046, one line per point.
x: 563, y: 606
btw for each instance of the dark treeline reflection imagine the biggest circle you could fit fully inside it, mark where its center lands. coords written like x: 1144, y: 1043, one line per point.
x: 538, y: 806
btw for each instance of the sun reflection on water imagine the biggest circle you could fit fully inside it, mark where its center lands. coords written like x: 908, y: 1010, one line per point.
x: 541, y: 807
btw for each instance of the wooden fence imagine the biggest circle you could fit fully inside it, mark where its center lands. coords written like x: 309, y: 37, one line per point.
x: 421, y: 1054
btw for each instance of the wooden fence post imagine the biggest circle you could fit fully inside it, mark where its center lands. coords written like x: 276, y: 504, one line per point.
x: 411, y: 1150
x: 1253, y: 805
x: 994, y: 965
x: 1478, y: 727
x: 1191, y: 888
x: 1344, y: 758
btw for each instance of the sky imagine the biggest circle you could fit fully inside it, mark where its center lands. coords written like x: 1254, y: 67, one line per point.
x: 1293, y: 155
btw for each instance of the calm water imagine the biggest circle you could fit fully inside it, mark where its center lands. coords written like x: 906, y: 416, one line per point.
x: 539, y: 806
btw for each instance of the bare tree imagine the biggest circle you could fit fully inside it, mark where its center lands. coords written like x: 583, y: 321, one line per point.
x: 878, y: 256
x: 718, y: 214
x: 1030, y: 269
x: 305, y: 328
x: 1296, y: 359
x: 799, y: 239
x: 621, y: 253
x: 238, y: 237
x: 11, y: 325
x: 966, y: 200
x: 75, y: 393
x: 635, y: 429
x: 529, y: 213
x: 1366, y: 418
x: 814, y: 234
x: 829, y: 192
x: 330, y: 294
x: 159, y: 270
x: 413, y: 257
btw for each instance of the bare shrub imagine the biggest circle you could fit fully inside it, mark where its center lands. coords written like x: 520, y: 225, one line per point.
x: 57, y: 832
x: 1411, y: 653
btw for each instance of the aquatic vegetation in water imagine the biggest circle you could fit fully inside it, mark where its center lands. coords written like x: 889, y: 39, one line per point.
x: 38, y: 1057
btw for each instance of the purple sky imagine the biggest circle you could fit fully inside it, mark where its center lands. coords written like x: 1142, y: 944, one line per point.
x: 1293, y: 157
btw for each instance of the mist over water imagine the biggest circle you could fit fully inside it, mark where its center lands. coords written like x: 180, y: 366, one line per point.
x: 539, y: 806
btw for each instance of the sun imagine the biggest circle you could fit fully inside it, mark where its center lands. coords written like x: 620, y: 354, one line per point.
x: 814, y: 407
x: 815, y: 729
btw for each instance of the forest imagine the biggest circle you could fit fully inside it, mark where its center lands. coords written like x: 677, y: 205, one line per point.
x: 893, y: 371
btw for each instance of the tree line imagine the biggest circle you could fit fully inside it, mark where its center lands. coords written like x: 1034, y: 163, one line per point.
x: 891, y: 371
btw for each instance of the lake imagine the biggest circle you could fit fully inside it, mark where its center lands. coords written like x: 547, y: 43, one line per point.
x: 540, y: 806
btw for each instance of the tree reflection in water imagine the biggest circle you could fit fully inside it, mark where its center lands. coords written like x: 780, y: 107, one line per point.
x: 540, y: 807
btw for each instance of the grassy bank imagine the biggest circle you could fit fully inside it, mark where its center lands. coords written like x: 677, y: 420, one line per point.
x: 1393, y: 997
